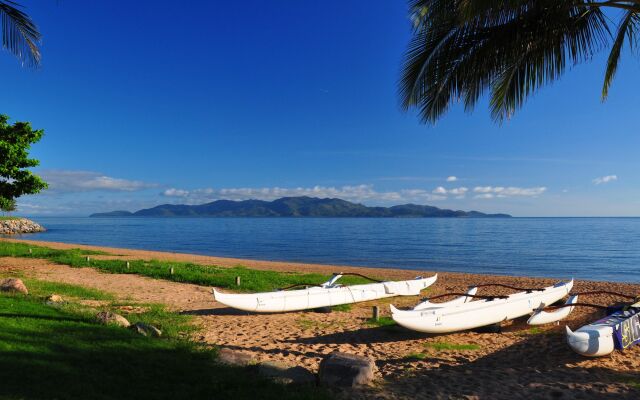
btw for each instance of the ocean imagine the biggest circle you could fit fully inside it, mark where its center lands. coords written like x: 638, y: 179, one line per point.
x: 584, y: 248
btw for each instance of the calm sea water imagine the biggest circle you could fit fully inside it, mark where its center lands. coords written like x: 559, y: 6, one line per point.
x: 586, y: 248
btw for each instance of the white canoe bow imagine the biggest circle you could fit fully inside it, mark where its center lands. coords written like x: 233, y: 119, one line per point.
x: 475, y: 314
x: 326, y: 295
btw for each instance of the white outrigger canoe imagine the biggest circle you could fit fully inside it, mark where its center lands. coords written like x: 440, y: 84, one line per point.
x: 328, y: 294
x: 619, y: 330
x: 463, y: 314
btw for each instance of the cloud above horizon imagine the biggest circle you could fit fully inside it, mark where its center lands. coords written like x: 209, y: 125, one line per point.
x: 489, y: 192
x: 357, y: 193
x: 84, y: 181
x: 605, y: 179
x: 452, y: 178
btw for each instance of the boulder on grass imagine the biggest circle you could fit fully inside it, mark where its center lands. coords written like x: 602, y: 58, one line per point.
x: 235, y: 357
x: 346, y: 370
x: 146, y: 329
x: 286, y: 374
x: 108, y: 317
x: 54, y: 299
x: 13, y: 285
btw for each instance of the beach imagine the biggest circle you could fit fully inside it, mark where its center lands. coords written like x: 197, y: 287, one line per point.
x: 518, y: 362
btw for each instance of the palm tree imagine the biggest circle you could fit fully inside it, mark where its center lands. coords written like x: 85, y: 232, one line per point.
x: 462, y: 49
x: 20, y: 35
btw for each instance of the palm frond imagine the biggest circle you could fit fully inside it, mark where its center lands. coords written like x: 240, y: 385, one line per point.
x: 628, y: 28
x: 20, y: 35
x: 462, y: 49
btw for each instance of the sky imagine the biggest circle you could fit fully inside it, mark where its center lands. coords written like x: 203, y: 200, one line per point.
x: 153, y: 102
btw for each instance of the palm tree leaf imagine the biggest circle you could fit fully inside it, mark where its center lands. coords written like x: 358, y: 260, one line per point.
x: 627, y: 28
x: 20, y: 35
x: 463, y: 48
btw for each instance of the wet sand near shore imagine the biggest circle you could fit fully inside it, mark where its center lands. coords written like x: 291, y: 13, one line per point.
x: 518, y: 363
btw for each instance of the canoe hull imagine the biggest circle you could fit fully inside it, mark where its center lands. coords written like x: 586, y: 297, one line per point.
x: 317, y: 297
x: 476, y: 314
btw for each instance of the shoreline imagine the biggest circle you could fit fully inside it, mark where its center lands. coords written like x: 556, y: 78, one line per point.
x: 302, y: 267
x: 287, y: 266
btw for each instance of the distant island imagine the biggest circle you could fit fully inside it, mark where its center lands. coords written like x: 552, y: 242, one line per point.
x: 297, y: 207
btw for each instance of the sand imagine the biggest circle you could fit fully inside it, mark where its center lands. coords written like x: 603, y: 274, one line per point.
x: 518, y: 363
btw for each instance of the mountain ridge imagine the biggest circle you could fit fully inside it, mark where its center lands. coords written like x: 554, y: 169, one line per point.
x: 302, y: 206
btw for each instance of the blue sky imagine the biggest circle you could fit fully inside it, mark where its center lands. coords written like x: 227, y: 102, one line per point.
x: 144, y: 103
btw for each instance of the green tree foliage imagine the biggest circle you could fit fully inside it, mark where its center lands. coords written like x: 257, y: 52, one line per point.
x: 15, y: 179
x: 20, y: 36
x: 7, y: 205
x: 462, y: 49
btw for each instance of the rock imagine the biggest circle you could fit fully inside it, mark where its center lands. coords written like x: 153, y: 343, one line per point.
x: 286, y: 374
x: 323, y: 310
x: 146, y: 329
x: 235, y: 357
x: 342, y: 369
x: 19, y: 225
x: 54, y: 299
x: 108, y: 317
x: 13, y: 285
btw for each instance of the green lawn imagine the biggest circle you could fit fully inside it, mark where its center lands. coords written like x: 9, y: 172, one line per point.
x: 7, y: 218
x: 59, y: 352
x: 251, y: 280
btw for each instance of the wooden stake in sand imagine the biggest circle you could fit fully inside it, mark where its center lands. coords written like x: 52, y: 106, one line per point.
x: 237, y: 281
x: 375, y: 313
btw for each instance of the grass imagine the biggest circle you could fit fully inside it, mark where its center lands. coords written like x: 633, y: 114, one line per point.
x: 252, y: 280
x: 8, y: 218
x: 306, y: 323
x: 415, y: 356
x: 382, y: 321
x: 46, y: 288
x: 60, y: 352
x: 342, y: 308
x: 444, y: 346
x: 632, y: 382
x: 538, y: 331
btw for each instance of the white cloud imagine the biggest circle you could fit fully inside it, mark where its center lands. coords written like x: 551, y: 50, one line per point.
x: 358, y: 193
x: 452, y: 178
x: 605, y: 179
x: 459, y: 193
x: 511, y: 191
x: 440, y: 190
x: 84, y: 181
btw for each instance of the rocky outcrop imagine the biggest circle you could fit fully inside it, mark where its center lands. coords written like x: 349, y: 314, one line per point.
x: 347, y: 370
x: 16, y: 226
x: 13, y: 285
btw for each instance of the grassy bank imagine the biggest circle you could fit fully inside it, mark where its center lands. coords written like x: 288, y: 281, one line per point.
x: 6, y: 218
x: 252, y: 280
x: 60, y: 352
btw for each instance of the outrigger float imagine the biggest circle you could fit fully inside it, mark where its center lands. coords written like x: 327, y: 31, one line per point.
x: 618, y: 330
x: 462, y: 314
x: 327, y: 294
